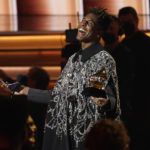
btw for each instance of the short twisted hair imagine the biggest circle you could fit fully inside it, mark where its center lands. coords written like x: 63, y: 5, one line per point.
x: 101, y: 16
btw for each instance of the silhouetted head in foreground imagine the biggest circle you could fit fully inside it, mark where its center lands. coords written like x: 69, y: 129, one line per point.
x: 107, y: 134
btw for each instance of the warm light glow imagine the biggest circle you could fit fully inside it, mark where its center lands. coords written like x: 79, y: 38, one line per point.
x: 8, y: 15
x: 148, y: 33
x: 8, y: 7
x: 32, y: 42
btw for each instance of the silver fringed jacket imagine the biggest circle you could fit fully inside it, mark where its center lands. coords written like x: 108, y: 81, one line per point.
x: 70, y: 113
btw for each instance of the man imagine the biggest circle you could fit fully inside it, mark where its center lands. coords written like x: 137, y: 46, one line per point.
x: 124, y: 63
x: 86, y: 90
x: 139, y: 44
x: 38, y: 78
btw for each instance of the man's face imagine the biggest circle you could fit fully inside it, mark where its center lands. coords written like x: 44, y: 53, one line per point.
x: 129, y: 24
x: 87, y: 29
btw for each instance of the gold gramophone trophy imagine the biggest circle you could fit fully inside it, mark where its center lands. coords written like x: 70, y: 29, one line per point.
x: 96, y: 84
x: 97, y: 80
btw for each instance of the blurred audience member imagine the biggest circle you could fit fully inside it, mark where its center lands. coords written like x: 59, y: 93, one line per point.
x: 38, y: 78
x: 107, y: 134
x: 13, y: 117
x: 139, y: 43
x: 124, y: 62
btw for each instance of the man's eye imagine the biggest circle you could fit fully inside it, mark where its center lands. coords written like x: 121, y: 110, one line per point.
x: 87, y: 22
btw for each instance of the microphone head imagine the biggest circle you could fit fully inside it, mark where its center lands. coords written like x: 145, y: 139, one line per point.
x: 16, y: 86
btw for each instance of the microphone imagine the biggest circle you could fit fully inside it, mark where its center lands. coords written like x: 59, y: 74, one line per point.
x: 16, y: 86
x: 19, y: 84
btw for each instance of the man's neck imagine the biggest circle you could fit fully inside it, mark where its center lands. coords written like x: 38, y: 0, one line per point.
x: 85, y: 45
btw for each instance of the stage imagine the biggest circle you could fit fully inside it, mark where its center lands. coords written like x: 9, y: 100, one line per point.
x: 27, y: 41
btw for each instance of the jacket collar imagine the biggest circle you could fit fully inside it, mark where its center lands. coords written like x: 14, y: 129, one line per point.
x: 90, y: 51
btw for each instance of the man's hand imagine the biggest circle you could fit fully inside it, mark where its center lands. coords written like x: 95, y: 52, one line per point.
x: 24, y: 91
x: 6, y: 91
x: 99, y: 101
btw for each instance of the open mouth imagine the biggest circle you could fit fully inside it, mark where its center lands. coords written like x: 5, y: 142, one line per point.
x: 81, y: 31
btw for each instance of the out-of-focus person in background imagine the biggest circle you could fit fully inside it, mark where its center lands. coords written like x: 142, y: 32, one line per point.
x: 124, y: 63
x: 38, y: 78
x: 139, y: 43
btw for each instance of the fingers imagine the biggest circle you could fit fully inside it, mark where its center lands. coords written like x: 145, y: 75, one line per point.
x: 4, y: 90
x: 24, y: 91
x: 3, y: 84
x: 99, y: 101
x: 17, y: 93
